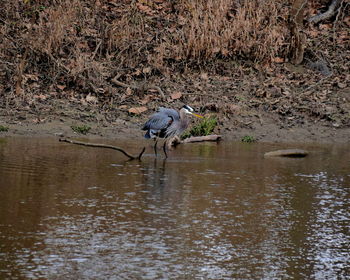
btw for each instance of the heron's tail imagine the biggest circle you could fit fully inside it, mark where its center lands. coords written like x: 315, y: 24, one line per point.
x: 148, y: 135
x: 151, y: 133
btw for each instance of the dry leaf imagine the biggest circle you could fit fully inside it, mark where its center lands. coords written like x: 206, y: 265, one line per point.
x: 224, y: 78
x: 225, y: 52
x: 147, y: 70
x: 152, y: 90
x: 40, y: 97
x: 137, y: 72
x: 313, y: 33
x: 146, y: 100
x: 137, y: 110
x: 176, y: 95
x: 204, y: 76
x: 31, y: 77
x: 91, y: 99
x: 278, y: 60
x: 147, y: 10
x: 128, y: 91
x: 61, y: 87
x: 231, y: 108
x: 181, y: 20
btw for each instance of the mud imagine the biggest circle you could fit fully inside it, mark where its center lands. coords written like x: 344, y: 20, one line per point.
x: 128, y: 127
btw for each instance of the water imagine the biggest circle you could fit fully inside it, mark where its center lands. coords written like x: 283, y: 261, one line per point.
x: 208, y: 212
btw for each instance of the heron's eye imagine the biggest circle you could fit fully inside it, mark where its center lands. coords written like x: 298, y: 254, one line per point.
x: 188, y: 108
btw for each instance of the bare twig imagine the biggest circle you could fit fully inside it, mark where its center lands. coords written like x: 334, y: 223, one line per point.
x: 20, y: 71
x: 317, y: 84
x: 95, y: 145
x: 96, y: 50
x: 119, y: 83
x: 202, y: 94
x: 139, y: 87
x: 332, y: 10
x: 161, y: 93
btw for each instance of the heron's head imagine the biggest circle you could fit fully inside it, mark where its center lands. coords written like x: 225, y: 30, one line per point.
x: 189, y: 110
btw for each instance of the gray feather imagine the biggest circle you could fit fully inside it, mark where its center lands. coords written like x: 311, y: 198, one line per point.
x: 157, y: 121
x: 169, y: 112
x: 165, y: 122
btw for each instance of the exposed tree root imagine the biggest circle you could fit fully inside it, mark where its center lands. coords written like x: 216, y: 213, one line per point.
x: 332, y: 10
x: 95, y: 145
x: 298, y: 39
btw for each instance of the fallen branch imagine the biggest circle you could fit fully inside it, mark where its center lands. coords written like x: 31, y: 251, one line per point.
x: 176, y: 140
x: 193, y: 139
x: 317, y: 84
x: 202, y: 94
x: 332, y: 10
x: 96, y: 49
x: 95, y: 145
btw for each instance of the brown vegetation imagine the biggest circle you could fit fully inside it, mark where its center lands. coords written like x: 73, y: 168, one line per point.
x: 236, y: 51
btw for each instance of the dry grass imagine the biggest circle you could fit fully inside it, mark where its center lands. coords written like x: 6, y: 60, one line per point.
x: 53, y: 46
x: 251, y: 29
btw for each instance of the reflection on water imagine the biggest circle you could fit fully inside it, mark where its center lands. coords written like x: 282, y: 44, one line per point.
x: 208, y: 212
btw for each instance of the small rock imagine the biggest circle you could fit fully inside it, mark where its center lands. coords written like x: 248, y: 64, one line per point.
x: 59, y: 134
x: 341, y: 85
x: 287, y: 153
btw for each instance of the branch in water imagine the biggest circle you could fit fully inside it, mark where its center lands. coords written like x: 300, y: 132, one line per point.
x: 95, y: 145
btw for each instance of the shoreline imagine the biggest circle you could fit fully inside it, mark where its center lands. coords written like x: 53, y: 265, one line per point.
x: 122, y: 129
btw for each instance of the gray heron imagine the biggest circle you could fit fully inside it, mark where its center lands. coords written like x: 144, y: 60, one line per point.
x: 166, y: 123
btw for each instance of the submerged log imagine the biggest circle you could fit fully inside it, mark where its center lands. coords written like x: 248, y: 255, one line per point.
x: 95, y: 145
x: 287, y: 153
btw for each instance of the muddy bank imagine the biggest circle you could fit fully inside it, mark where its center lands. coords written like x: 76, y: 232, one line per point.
x: 128, y: 127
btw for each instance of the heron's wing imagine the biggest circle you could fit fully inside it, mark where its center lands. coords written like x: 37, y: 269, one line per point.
x: 158, y: 121
x: 169, y: 112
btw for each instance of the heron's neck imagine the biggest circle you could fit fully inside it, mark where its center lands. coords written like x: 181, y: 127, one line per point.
x: 184, y: 119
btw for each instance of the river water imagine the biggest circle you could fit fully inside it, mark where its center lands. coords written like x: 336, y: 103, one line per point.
x: 210, y: 211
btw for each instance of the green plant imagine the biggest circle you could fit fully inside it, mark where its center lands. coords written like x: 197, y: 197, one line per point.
x: 248, y: 139
x: 203, y: 128
x: 3, y: 128
x: 82, y: 129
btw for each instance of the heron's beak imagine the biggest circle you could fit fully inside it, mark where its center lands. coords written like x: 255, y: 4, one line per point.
x: 198, y: 116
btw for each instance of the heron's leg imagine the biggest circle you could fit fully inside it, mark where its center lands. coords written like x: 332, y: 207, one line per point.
x: 164, y: 148
x: 155, y: 146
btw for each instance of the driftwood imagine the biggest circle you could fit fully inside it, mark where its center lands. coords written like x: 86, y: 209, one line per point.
x: 213, y: 138
x: 176, y: 140
x: 287, y: 153
x: 332, y: 10
x: 95, y: 145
